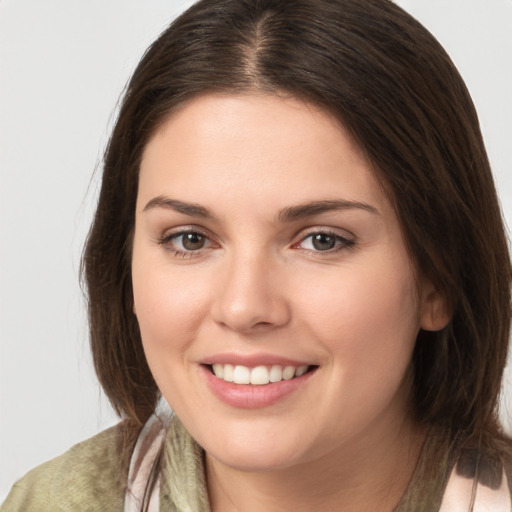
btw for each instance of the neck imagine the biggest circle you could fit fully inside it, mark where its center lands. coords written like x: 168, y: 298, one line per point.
x: 370, y: 474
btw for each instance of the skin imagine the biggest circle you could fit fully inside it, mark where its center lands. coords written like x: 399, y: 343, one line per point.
x: 345, y: 439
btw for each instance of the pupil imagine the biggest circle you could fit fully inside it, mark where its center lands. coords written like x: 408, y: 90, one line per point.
x: 323, y: 242
x: 193, y: 241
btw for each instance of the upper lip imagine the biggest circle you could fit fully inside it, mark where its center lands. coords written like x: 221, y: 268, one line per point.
x: 253, y: 360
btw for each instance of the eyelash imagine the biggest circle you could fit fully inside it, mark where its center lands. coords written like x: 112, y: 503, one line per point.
x: 343, y: 243
x: 165, y: 241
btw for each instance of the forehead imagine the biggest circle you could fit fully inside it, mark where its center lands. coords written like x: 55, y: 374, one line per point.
x: 252, y: 147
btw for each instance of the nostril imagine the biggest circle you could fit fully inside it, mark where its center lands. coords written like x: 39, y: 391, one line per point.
x: 262, y: 324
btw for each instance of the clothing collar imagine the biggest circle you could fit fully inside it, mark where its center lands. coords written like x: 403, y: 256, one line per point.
x: 181, y: 485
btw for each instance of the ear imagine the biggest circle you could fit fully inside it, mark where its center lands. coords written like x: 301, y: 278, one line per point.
x: 435, y: 310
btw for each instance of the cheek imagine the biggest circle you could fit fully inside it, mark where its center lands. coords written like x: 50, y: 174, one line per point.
x: 367, y: 315
x: 168, y: 305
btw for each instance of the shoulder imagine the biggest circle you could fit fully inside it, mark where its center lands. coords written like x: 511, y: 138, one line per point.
x: 453, y: 477
x: 90, y: 476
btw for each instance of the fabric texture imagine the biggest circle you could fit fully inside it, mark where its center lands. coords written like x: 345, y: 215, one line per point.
x: 92, y: 476
x: 86, y: 478
x: 142, y: 470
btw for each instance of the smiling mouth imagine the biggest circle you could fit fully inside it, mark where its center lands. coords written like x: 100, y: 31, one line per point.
x: 259, y: 375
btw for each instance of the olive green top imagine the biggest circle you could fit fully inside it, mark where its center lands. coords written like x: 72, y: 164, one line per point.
x: 90, y: 477
x: 85, y: 478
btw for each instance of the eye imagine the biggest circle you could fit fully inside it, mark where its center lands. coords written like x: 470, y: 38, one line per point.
x: 185, y: 243
x: 322, y: 241
x: 190, y: 241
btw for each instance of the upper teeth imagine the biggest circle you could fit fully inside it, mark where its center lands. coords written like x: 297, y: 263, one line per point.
x: 259, y: 375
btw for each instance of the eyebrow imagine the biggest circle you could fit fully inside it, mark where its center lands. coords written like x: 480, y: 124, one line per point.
x: 288, y: 214
x: 301, y: 211
x: 191, y: 209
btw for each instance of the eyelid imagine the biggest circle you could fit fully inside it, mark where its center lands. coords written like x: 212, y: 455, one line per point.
x: 166, y: 238
x: 171, y: 233
x: 347, y: 239
x: 339, y: 232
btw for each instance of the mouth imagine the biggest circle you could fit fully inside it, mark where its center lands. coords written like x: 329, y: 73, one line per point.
x: 258, y: 375
x: 255, y: 385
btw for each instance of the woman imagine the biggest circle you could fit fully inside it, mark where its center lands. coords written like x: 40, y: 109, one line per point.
x: 298, y: 245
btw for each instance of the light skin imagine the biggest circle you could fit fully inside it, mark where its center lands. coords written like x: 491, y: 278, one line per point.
x: 261, y: 229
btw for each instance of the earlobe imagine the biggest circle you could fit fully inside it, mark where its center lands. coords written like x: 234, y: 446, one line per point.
x: 435, y: 313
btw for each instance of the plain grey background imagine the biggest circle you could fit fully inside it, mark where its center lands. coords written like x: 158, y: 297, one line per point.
x: 63, y: 65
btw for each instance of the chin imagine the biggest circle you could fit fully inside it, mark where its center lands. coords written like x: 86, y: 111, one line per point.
x: 254, y: 461
x: 255, y: 453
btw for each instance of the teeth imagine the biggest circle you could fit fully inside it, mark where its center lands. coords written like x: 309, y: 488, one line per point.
x: 259, y: 375
x: 301, y: 370
x: 242, y: 375
x: 218, y: 369
x: 227, y: 374
x: 276, y: 373
x: 288, y: 372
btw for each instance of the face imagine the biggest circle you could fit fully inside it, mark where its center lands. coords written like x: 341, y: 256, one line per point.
x: 277, y: 303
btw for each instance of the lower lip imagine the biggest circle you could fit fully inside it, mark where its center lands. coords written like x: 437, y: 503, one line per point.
x: 247, y: 396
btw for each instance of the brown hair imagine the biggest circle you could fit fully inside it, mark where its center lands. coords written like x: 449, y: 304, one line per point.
x: 396, y: 90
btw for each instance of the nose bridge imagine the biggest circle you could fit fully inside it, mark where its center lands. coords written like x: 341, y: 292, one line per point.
x: 249, y: 295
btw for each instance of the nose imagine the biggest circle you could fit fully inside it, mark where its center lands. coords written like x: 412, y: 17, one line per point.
x: 251, y: 296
